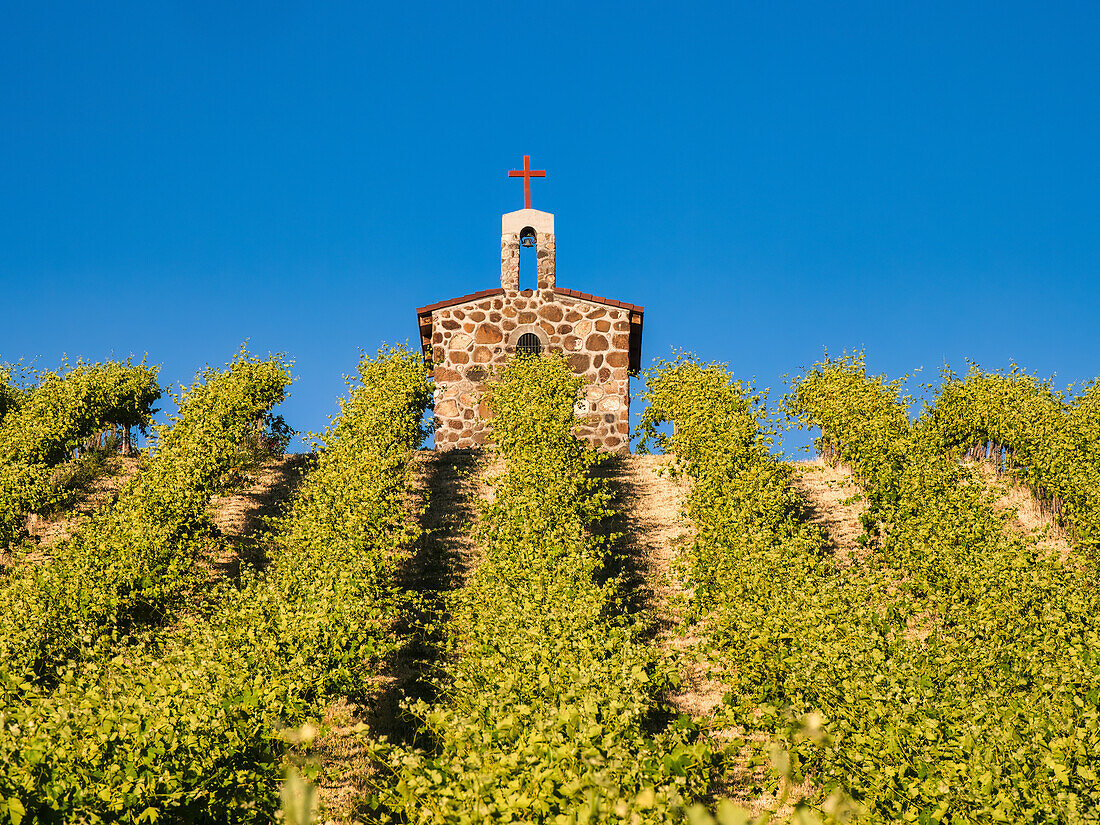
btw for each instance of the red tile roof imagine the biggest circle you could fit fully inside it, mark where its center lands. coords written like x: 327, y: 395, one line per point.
x: 572, y: 293
x: 473, y: 296
x: 492, y: 293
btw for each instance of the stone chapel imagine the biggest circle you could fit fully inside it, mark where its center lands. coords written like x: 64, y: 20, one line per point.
x: 465, y: 339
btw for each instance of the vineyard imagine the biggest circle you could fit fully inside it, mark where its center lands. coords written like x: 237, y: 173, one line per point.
x: 499, y: 635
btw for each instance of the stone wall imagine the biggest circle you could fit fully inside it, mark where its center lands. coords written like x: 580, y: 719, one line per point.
x: 545, y: 249
x: 470, y: 341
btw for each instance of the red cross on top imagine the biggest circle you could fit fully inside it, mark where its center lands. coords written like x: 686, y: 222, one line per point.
x: 527, y: 173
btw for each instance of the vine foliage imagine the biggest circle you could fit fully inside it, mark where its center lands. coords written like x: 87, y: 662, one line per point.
x: 135, y: 561
x: 193, y: 725
x: 545, y: 697
x: 41, y: 426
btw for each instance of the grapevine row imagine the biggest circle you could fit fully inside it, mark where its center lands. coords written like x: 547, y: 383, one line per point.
x: 1026, y: 428
x: 949, y: 676
x: 134, y: 562
x: 195, y: 731
x: 764, y: 592
x: 548, y: 688
x: 40, y: 426
x: 966, y: 688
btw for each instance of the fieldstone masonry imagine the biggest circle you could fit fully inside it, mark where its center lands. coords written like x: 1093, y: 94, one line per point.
x: 466, y: 339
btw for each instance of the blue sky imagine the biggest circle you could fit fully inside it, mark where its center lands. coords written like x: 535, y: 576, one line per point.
x: 916, y: 179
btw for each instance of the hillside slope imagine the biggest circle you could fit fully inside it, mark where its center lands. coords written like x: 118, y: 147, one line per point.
x: 649, y: 532
x: 239, y: 514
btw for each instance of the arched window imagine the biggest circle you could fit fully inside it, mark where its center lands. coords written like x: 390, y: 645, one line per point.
x: 528, y: 344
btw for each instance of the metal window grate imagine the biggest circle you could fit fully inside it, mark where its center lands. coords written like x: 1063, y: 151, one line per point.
x: 529, y: 344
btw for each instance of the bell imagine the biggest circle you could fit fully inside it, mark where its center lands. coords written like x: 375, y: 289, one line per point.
x: 527, y: 240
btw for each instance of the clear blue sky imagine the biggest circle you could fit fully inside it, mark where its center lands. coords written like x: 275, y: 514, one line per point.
x: 919, y: 179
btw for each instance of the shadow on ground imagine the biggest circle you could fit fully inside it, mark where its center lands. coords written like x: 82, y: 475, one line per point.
x: 439, y: 563
x: 626, y: 551
x: 241, y: 517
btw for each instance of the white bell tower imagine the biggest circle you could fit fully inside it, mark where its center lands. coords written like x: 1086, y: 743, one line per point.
x: 523, y: 229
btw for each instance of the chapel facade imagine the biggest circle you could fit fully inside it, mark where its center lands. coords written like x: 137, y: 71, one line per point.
x: 466, y: 340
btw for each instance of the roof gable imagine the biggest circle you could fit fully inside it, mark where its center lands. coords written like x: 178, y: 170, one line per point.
x: 636, y: 316
x: 492, y: 293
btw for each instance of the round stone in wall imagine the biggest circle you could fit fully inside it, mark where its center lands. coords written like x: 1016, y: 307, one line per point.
x: 488, y: 334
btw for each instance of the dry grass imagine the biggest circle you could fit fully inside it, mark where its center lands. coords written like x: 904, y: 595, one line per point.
x: 835, y: 502
x: 1026, y: 516
x: 240, y: 516
x: 649, y: 505
x: 447, y: 489
x: 343, y: 754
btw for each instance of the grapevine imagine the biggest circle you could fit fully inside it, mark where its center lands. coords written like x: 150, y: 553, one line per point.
x: 41, y: 426
x: 191, y: 728
x: 548, y: 687
x: 134, y: 562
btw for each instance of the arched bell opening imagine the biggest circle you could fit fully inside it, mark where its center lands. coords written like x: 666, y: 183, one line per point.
x: 528, y: 261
